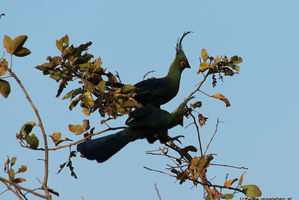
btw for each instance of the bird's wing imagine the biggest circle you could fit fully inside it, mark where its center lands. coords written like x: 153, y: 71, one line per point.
x: 150, y: 86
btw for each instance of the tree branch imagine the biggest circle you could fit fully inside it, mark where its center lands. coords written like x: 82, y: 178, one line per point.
x: 5, y: 181
x: 46, y: 167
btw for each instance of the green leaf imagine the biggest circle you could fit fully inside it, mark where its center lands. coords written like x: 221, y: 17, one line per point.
x: 127, y: 89
x: 77, y: 129
x: 241, y: 179
x: 252, y: 191
x: 13, y: 161
x: 86, y: 125
x: 228, y: 196
x: 8, y: 44
x: 203, y: 67
x: 72, y: 94
x: 21, y: 52
x: 27, y: 128
x: 3, y: 67
x: 204, y: 54
x: 32, y: 140
x: 22, y: 169
x: 4, y: 88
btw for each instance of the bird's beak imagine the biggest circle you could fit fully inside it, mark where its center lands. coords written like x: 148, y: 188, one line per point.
x: 188, y: 66
x: 182, y: 124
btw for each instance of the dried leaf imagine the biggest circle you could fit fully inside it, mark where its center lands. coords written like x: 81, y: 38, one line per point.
x: 22, y: 169
x: 77, y: 129
x: 19, y: 180
x: 222, y: 98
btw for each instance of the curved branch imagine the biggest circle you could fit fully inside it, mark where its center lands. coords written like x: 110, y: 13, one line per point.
x: 46, y: 168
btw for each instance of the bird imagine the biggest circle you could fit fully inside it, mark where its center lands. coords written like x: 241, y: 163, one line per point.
x: 148, y: 122
x: 158, y: 91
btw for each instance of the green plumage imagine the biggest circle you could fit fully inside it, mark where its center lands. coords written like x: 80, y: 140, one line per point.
x: 148, y: 122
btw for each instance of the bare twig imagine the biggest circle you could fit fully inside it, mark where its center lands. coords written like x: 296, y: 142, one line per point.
x: 158, y: 193
x: 154, y: 170
x: 212, y: 136
x: 231, y: 166
x: 198, y: 134
x: 12, y: 190
x: 23, y: 188
x: 199, y: 86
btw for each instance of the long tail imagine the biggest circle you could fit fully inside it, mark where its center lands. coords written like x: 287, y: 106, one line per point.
x: 101, y: 149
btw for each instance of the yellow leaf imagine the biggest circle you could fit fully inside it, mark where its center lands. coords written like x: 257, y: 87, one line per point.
x: 8, y: 44
x: 3, y: 67
x: 228, y: 183
x: 203, y: 67
x: 77, y: 129
x: 222, y: 98
x: 241, y: 179
x: 19, y: 180
x: 204, y: 54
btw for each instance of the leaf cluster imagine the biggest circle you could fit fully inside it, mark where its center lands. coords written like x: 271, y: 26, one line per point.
x: 30, y: 140
x: 11, y: 172
x: 221, y: 65
x: 98, y: 89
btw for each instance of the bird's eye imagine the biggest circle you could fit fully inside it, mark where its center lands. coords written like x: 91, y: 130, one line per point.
x: 182, y: 63
x: 181, y: 117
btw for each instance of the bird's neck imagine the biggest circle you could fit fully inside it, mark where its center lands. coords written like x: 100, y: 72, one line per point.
x: 173, y: 120
x: 174, y: 74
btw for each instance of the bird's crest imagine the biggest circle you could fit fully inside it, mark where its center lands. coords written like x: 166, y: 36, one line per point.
x: 179, y: 46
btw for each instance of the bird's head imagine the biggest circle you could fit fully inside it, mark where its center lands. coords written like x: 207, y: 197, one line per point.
x: 180, y: 59
x: 181, y: 111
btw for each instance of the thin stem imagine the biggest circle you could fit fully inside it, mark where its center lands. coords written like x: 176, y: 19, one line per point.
x: 199, y: 86
x: 5, y: 181
x: 12, y: 190
x: 198, y: 134
x: 212, y: 137
x: 222, y: 165
x: 46, y: 167
x: 158, y: 193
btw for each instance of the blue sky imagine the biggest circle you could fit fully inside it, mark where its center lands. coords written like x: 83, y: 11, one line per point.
x: 133, y: 37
